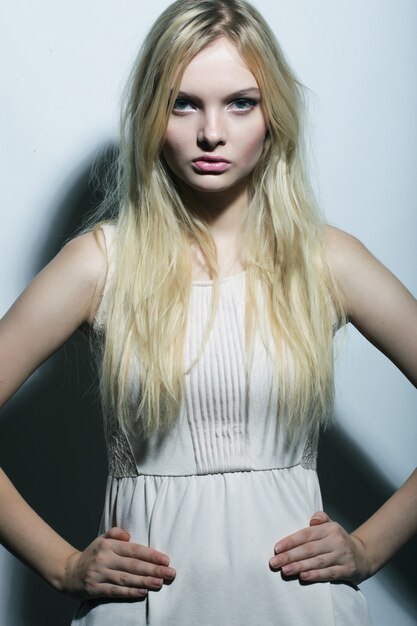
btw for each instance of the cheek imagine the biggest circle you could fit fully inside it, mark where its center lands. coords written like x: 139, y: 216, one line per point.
x: 176, y: 147
x: 254, y: 143
x: 170, y: 147
x: 171, y: 152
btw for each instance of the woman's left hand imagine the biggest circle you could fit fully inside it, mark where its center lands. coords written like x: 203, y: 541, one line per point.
x: 322, y: 552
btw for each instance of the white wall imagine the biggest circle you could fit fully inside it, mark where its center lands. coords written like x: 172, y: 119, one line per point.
x: 63, y: 68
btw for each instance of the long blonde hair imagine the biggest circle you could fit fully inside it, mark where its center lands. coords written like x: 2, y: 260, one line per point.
x: 147, y: 316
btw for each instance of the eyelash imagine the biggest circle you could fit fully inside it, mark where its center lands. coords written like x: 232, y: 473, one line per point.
x: 250, y: 104
x: 182, y: 101
x: 249, y: 101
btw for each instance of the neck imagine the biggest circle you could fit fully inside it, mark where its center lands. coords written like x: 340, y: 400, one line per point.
x: 222, y: 212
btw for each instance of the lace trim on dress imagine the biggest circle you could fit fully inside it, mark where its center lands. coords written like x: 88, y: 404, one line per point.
x: 309, y: 458
x: 120, y: 457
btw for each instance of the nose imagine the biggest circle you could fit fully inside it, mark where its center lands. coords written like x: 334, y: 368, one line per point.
x: 212, y: 132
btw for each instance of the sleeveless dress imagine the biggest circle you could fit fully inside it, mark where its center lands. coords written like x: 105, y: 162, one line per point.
x: 219, y: 491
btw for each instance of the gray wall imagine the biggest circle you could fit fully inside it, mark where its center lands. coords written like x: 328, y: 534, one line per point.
x: 63, y: 68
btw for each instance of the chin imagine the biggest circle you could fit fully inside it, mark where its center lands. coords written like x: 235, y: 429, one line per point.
x: 212, y: 183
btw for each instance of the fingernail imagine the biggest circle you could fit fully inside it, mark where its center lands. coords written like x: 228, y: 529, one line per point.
x: 287, y: 569
x: 274, y: 562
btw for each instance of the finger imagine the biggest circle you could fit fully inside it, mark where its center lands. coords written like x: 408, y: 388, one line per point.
x: 319, y: 562
x: 327, y: 568
x: 141, y: 552
x: 301, y: 553
x: 117, y: 533
x: 329, y: 574
x: 137, y: 567
x: 132, y: 558
x: 320, y: 517
x: 124, y: 579
x: 313, y: 533
x: 108, y: 590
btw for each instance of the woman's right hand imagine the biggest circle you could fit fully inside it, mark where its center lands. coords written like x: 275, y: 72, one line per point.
x: 113, y: 567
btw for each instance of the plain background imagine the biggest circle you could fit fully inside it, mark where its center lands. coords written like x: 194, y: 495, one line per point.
x: 64, y: 65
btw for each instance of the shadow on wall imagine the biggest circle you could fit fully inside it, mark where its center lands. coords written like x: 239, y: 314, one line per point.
x: 353, y: 489
x: 52, y: 447
x: 51, y: 435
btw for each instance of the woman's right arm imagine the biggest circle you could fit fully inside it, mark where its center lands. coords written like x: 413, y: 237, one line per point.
x: 64, y: 295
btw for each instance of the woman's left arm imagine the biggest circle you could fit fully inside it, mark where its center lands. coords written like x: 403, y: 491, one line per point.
x: 385, y: 312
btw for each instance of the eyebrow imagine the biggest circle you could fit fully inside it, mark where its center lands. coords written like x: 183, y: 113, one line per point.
x: 254, y: 91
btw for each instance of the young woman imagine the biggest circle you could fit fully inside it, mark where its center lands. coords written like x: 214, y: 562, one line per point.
x: 214, y: 295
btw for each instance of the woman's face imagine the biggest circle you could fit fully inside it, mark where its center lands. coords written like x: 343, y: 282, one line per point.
x: 216, y: 130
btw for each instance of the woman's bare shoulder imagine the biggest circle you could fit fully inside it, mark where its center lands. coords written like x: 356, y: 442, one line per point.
x: 84, y: 261
x: 340, y: 246
x: 62, y: 297
x: 88, y: 250
x: 346, y: 255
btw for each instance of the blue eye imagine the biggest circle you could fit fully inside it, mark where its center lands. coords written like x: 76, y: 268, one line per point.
x: 244, y: 104
x: 181, y: 104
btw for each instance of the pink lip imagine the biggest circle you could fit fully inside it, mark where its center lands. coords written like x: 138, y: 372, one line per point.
x: 210, y: 164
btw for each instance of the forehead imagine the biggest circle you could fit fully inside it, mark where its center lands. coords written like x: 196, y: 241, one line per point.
x: 218, y: 64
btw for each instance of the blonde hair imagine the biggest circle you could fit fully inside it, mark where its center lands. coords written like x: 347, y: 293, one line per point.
x: 146, y: 322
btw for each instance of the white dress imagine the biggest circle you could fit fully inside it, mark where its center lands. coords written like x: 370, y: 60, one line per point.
x: 219, y: 492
